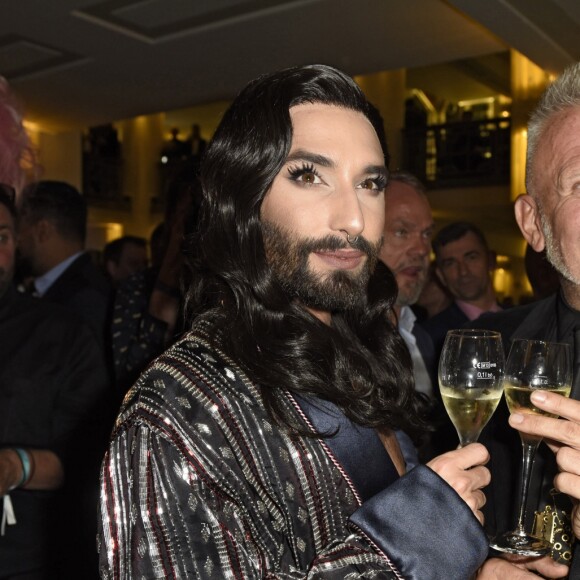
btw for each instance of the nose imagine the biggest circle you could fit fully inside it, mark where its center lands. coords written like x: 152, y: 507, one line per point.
x: 421, y: 245
x: 346, y: 212
x: 463, y: 268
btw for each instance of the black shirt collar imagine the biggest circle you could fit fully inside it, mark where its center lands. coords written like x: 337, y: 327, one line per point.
x: 568, y: 319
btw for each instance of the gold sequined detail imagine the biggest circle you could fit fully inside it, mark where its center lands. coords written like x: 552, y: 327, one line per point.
x: 553, y: 524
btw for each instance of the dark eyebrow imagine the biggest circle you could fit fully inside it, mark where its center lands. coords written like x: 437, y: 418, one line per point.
x: 303, y: 155
x: 380, y: 169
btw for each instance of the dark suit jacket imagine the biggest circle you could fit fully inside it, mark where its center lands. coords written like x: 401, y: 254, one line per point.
x: 438, y: 325
x: 83, y: 288
x: 427, y: 350
x: 444, y: 436
x: 534, y: 321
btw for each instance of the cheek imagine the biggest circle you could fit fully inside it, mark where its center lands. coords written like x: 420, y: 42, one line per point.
x: 390, y: 254
x: 567, y: 236
x: 374, y: 219
x: 6, y: 258
x: 451, y: 274
x: 277, y: 208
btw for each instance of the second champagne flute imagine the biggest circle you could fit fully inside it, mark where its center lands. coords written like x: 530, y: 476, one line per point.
x: 532, y: 365
x: 470, y: 379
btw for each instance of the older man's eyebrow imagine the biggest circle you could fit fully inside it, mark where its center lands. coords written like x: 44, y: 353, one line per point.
x: 316, y: 158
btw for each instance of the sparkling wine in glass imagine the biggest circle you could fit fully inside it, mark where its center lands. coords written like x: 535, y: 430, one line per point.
x: 470, y: 379
x: 532, y: 365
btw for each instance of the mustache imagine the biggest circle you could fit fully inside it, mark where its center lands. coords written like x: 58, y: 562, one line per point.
x: 332, y: 243
x: 414, y: 264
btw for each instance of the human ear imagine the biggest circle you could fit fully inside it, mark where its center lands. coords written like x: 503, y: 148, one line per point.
x: 43, y: 230
x: 528, y: 218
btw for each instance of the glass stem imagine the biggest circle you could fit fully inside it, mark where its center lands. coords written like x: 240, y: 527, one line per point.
x: 529, y: 449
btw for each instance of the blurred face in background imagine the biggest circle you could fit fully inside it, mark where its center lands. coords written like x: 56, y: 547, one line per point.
x: 133, y: 259
x: 407, y: 239
x: 464, y: 267
x: 7, y: 248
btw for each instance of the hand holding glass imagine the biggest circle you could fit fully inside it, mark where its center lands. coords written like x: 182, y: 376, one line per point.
x: 470, y: 379
x: 532, y: 365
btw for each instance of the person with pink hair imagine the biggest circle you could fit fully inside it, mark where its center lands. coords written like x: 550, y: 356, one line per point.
x: 53, y: 387
x: 17, y: 156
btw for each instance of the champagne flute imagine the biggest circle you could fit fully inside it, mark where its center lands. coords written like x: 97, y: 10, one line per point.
x: 470, y: 379
x: 532, y: 365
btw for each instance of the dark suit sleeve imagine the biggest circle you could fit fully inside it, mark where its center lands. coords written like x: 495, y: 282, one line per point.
x: 80, y: 413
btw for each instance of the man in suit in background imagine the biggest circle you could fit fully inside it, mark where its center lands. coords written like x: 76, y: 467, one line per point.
x: 464, y: 264
x: 124, y: 257
x: 53, y: 385
x: 549, y: 217
x: 52, y: 233
x: 405, y: 250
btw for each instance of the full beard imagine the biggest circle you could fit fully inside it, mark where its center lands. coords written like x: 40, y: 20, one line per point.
x: 288, y: 258
x: 409, y: 293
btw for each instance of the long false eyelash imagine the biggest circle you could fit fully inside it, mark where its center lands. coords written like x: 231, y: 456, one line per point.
x: 297, y: 171
x: 380, y: 181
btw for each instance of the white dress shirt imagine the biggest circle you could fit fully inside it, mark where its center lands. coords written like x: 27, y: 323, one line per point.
x: 422, y: 380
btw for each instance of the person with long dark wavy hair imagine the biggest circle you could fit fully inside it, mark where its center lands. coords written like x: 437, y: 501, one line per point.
x: 262, y: 444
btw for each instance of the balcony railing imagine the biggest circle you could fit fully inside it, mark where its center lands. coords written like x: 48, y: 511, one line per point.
x: 469, y: 153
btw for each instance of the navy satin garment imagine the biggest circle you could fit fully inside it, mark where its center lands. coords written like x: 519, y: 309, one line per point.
x: 358, y: 449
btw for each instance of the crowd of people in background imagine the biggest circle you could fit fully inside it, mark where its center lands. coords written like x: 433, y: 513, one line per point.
x: 76, y: 333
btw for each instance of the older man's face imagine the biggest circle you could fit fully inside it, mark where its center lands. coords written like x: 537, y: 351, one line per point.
x: 556, y: 185
x: 407, y: 239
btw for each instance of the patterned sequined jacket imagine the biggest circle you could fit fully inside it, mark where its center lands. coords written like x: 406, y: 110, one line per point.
x: 199, y: 483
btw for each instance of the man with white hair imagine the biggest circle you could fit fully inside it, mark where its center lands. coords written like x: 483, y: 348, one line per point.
x: 549, y: 217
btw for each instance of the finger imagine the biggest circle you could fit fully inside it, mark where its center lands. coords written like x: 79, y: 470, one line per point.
x: 568, y: 460
x: 568, y: 484
x: 461, y: 459
x: 547, y: 567
x: 557, y: 405
x: 476, y: 501
x: 501, y: 569
x: 470, y: 455
x: 467, y: 481
x: 576, y: 520
x: 559, y: 430
x: 480, y: 477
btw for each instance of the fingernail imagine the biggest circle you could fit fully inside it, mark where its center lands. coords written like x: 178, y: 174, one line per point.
x: 538, y: 396
x: 516, y: 418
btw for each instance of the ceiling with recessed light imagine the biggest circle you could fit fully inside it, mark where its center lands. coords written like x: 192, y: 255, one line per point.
x: 77, y: 63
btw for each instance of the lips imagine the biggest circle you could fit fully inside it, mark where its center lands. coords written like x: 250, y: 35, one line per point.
x: 411, y: 271
x: 467, y: 282
x: 341, y: 259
